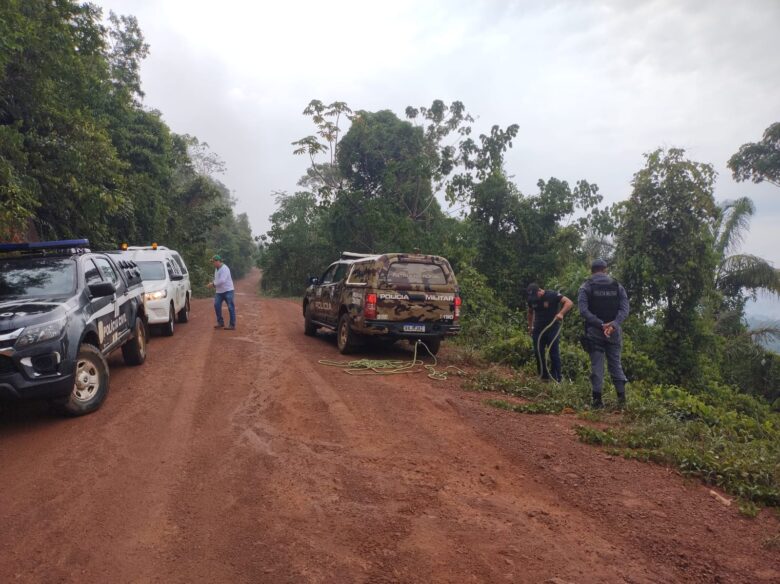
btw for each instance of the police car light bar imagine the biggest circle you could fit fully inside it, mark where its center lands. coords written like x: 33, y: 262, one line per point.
x: 35, y: 245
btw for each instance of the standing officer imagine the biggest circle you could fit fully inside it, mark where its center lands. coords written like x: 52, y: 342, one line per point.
x: 546, y: 309
x: 223, y: 285
x: 603, y: 303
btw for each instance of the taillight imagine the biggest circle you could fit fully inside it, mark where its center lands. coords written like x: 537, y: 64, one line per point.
x: 369, y: 308
x: 458, y: 302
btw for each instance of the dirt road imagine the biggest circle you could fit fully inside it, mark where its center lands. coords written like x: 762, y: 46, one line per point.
x: 236, y: 457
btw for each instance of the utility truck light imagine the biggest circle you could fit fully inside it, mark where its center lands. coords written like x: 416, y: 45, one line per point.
x: 154, y: 245
x: 123, y: 246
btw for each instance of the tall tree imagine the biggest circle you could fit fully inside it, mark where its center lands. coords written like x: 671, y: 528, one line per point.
x: 737, y: 273
x: 666, y: 250
x: 759, y: 161
x: 323, y: 178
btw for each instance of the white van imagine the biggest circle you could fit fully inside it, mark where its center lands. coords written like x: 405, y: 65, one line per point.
x: 166, y: 283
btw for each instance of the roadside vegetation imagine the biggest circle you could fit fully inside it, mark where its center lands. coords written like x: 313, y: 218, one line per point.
x: 725, y: 438
x: 82, y: 157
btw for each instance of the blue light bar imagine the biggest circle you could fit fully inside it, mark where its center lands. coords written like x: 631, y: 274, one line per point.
x: 30, y: 246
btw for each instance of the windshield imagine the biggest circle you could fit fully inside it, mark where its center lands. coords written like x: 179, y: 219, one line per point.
x: 37, y: 277
x: 151, y: 270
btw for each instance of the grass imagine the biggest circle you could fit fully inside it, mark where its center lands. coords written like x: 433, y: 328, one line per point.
x: 725, y: 439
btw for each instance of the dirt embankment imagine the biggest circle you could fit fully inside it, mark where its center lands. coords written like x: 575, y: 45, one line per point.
x: 233, y: 456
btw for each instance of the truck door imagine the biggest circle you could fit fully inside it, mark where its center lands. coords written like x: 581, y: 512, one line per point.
x: 117, y: 327
x: 336, y: 289
x: 101, y: 308
x: 322, y: 298
x: 177, y: 285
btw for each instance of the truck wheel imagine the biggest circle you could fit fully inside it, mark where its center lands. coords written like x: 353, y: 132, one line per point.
x: 433, y: 344
x: 345, y: 338
x: 184, y: 313
x: 167, y: 329
x: 309, y: 328
x: 134, y: 350
x: 90, y: 386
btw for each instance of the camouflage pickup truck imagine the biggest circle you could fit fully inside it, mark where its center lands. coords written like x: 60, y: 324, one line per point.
x: 390, y: 296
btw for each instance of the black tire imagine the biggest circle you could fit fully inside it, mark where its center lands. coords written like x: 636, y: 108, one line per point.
x: 433, y: 344
x: 134, y: 350
x: 184, y: 313
x: 309, y: 328
x: 346, y: 340
x: 90, y: 386
x: 168, y: 329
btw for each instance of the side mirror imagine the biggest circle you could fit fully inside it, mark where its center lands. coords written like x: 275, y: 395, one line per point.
x: 177, y: 278
x: 313, y: 280
x: 102, y: 289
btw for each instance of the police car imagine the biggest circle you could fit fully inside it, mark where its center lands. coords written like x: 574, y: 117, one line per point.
x: 63, y: 311
x: 166, y: 283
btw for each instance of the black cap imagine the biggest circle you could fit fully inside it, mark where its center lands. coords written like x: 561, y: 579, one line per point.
x: 532, y: 291
x: 598, y: 264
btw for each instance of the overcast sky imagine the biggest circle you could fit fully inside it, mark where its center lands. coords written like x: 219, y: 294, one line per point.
x: 592, y: 85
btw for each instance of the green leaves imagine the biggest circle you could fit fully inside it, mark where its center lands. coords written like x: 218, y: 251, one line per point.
x: 81, y: 157
x: 759, y: 161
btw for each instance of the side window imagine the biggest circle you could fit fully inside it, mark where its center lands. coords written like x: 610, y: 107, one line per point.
x: 327, y: 277
x: 359, y: 274
x: 171, y: 269
x: 180, y: 263
x: 341, y: 272
x: 109, y: 275
x: 91, y: 273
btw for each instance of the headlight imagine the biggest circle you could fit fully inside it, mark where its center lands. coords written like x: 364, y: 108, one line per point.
x: 159, y: 295
x: 41, y: 332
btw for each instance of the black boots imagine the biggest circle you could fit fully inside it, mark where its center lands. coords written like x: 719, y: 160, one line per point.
x: 597, y: 404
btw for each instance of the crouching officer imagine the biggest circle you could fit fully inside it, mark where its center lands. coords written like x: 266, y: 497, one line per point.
x: 603, y: 303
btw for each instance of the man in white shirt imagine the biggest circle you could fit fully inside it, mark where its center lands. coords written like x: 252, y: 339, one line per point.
x: 223, y: 285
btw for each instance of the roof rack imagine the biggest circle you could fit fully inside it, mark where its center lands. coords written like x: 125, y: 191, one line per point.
x: 350, y: 255
x: 77, y: 245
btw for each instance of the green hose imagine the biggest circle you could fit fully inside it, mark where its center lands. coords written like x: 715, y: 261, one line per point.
x: 394, y: 367
x: 543, y: 364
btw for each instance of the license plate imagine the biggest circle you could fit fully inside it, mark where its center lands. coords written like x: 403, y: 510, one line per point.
x: 414, y: 328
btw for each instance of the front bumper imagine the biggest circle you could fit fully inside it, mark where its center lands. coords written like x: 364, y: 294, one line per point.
x: 41, y: 371
x: 17, y: 387
x: 396, y: 329
x: 157, y: 311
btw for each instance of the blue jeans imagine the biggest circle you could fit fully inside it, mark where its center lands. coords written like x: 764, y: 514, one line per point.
x: 226, y: 297
x: 541, y: 344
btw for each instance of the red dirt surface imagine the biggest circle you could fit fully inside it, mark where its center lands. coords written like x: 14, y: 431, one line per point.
x: 233, y: 456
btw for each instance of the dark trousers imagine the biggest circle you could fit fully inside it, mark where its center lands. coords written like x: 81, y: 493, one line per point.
x: 602, y: 349
x: 219, y: 298
x: 543, y: 342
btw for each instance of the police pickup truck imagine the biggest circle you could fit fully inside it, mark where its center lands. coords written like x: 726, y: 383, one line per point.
x: 63, y: 310
x: 385, y: 297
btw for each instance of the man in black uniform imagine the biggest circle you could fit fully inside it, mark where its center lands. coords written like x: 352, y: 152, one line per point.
x: 546, y: 307
x: 603, y: 303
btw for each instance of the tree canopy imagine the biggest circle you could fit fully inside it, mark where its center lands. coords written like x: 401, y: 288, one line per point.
x: 80, y: 156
